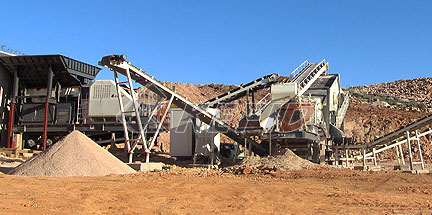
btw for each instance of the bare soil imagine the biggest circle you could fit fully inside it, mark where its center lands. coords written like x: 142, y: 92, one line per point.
x: 324, y: 191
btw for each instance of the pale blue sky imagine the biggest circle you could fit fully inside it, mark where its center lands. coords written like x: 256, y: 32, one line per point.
x: 231, y: 41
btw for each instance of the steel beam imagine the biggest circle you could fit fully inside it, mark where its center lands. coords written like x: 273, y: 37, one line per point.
x: 48, y: 95
x: 11, y: 143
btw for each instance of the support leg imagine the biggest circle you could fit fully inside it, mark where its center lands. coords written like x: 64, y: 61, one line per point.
x: 409, y: 151
x: 245, y: 148
x: 397, y: 155
x: 420, y: 151
x: 364, y: 158
x: 48, y: 96
x: 346, y: 156
x: 336, y: 157
x: 10, y: 143
x: 374, y: 157
x: 45, y: 129
x: 123, y: 118
x: 270, y: 145
x: 113, y: 145
x: 401, y: 154
x: 131, y: 157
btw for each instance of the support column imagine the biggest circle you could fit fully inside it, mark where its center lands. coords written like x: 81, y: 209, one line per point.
x: 401, y: 154
x: 245, y: 148
x: 247, y: 103
x: 374, y: 157
x: 113, y: 141
x: 250, y: 147
x: 48, y: 95
x: 158, y: 129
x: 346, y: 157
x: 337, y: 156
x: 127, y: 146
x: 409, y: 151
x: 397, y: 155
x: 270, y: 144
x: 420, y: 150
x: 364, y: 158
x: 253, y: 102
x: 11, y: 143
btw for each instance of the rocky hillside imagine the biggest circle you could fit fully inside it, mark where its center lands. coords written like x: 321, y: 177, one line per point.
x: 414, y: 92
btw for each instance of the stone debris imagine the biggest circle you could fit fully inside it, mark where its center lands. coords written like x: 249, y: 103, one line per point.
x: 285, y: 161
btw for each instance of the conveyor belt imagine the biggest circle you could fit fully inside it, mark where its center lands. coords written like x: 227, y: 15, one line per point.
x: 389, y: 138
x: 306, y: 77
x: 121, y: 66
x: 241, y: 91
x: 401, y: 132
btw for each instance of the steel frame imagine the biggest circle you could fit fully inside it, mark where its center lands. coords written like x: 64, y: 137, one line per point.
x: 125, y: 68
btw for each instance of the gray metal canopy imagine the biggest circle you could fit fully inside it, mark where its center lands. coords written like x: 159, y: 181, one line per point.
x: 32, y: 70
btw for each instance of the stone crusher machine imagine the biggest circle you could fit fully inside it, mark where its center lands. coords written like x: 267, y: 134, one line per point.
x: 303, y: 112
x: 54, y: 95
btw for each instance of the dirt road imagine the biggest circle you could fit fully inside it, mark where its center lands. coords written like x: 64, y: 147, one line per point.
x: 322, y: 191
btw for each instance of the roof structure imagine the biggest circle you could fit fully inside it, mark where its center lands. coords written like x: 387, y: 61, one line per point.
x: 33, y: 70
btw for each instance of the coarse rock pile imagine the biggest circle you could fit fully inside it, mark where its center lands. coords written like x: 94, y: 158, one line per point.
x: 419, y: 89
x: 74, y: 155
x: 286, y: 161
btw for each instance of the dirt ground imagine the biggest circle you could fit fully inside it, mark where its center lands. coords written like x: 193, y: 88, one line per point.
x: 324, y: 191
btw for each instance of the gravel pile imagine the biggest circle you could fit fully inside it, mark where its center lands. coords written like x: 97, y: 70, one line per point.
x: 74, y: 155
x: 286, y: 161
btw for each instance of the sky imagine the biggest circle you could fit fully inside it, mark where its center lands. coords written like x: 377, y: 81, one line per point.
x: 230, y: 41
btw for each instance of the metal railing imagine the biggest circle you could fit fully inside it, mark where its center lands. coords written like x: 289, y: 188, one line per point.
x: 297, y: 70
x: 261, y: 104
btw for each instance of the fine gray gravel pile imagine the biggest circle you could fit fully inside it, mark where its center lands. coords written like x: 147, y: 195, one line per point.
x: 74, y: 155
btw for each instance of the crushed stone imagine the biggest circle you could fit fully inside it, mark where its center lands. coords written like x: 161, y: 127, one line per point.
x: 74, y: 155
x: 285, y: 161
